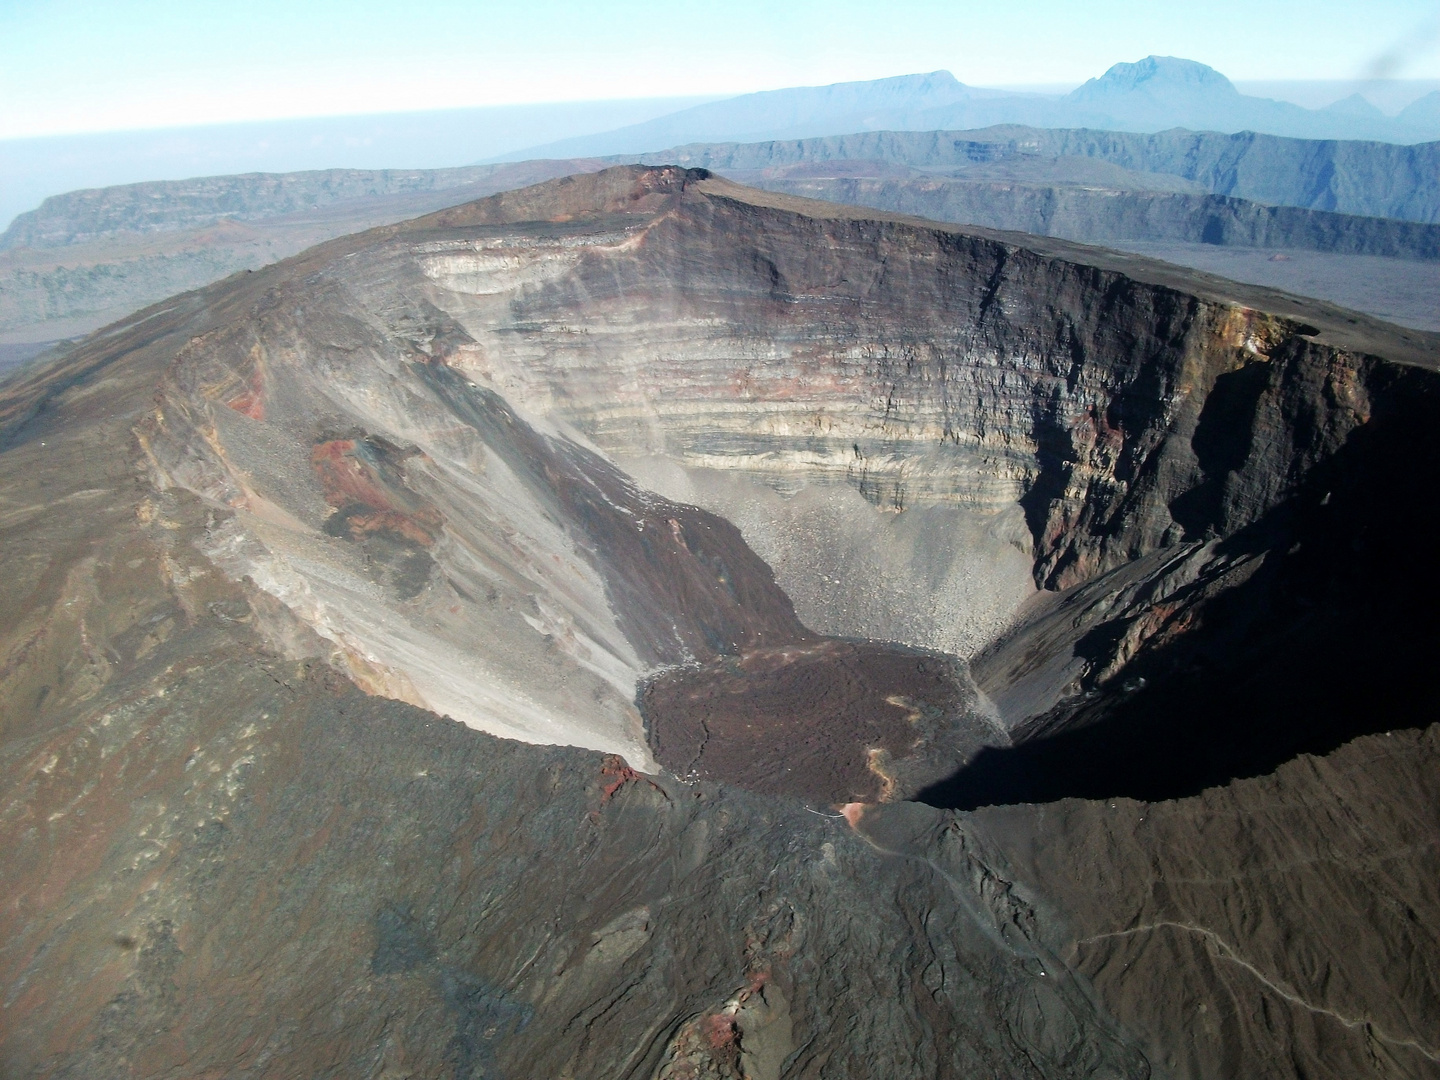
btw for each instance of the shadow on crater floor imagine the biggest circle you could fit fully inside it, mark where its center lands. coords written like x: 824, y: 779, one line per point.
x: 1208, y: 729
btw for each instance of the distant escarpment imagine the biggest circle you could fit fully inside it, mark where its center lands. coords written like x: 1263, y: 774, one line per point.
x: 1099, y: 215
x: 81, y: 217
x: 1372, y: 179
x: 754, y: 517
x: 87, y: 258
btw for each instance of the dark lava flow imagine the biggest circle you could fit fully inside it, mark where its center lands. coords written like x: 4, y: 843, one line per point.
x: 830, y: 721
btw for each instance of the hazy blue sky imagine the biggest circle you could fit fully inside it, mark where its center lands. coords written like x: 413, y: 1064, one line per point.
x: 97, y: 65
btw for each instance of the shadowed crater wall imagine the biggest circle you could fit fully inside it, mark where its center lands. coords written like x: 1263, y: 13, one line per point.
x: 1330, y: 635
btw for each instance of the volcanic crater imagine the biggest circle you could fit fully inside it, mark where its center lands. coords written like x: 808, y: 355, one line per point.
x: 712, y: 508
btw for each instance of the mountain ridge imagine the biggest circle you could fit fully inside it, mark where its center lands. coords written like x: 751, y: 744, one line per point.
x: 1372, y: 179
x: 1153, y: 94
x: 86, y: 258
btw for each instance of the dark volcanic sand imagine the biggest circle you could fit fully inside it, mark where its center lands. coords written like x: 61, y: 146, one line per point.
x: 822, y: 721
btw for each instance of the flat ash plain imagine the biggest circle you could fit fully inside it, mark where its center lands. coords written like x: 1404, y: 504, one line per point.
x: 1403, y: 291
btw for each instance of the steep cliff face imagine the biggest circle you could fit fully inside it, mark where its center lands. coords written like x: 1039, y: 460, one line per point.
x: 924, y: 366
x: 259, y: 538
x: 1296, y: 630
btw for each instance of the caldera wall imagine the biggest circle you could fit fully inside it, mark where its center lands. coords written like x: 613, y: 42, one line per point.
x: 922, y: 366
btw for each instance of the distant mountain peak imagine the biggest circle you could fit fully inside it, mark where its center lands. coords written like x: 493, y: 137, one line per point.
x: 1424, y: 110
x: 924, y: 78
x: 1155, y: 94
x: 1355, y: 105
x: 941, y: 83
x: 1157, y: 76
x: 789, y: 112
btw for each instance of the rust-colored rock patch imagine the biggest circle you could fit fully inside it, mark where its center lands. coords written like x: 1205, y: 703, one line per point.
x: 360, y: 478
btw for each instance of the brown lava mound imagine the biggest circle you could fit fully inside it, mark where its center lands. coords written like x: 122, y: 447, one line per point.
x: 825, y: 721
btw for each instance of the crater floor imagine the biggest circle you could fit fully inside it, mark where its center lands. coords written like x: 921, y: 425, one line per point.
x: 830, y: 722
